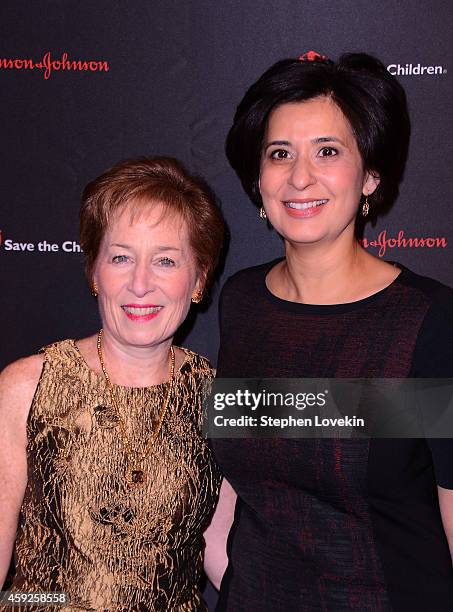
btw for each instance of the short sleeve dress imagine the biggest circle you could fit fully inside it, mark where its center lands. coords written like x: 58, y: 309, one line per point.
x: 331, y: 525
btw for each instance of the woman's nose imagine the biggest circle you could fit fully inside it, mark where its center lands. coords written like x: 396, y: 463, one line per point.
x: 301, y: 173
x: 142, y: 280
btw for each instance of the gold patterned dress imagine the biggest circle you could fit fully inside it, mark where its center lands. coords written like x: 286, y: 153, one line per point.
x: 82, y: 529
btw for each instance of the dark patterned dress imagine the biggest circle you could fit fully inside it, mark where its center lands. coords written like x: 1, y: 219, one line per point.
x: 331, y: 525
x: 82, y: 530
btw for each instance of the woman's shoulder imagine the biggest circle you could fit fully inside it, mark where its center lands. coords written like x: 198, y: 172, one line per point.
x: 23, y: 372
x: 433, y: 355
x: 258, y: 271
x: 18, y: 382
x: 438, y: 295
x: 195, y: 363
x: 61, y: 348
x: 248, y: 279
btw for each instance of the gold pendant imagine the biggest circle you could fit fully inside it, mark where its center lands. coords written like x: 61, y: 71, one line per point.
x: 135, y: 477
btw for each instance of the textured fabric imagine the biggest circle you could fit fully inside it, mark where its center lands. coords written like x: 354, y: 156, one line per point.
x: 82, y: 530
x: 336, y: 525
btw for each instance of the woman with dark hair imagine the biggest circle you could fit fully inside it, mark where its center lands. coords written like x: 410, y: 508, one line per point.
x: 331, y: 524
x: 102, y: 458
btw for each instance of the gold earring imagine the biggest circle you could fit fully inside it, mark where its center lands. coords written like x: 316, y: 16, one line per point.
x: 197, y: 296
x: 94, y: 289
x: 263, y: 213
x: 365, y: 207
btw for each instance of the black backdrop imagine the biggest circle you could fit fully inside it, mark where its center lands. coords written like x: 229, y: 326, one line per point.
x: 164, y: 77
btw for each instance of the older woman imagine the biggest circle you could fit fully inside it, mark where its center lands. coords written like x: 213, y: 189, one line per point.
x: 334, y: 525
x: 102, y: 454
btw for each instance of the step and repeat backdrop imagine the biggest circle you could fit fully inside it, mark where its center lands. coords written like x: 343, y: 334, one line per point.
x: 86, y: 84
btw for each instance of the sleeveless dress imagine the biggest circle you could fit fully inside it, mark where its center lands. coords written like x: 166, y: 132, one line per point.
x: 82, y: 530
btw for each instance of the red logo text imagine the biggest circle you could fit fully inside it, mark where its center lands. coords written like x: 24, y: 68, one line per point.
x: 48, y: 65
x: 384, y: 242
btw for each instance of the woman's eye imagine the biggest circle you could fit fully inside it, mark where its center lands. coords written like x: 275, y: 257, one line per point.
x: 328, y: 152
x: 279, y: 154
x: 119, y: 258
x: 166, y: 262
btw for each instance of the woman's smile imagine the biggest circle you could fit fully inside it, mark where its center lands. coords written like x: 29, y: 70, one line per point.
x: 303, y: 208
x: 141, y: 312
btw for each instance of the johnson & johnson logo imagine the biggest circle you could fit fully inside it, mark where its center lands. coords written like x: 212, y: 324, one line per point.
x: 415, y: 69
x: 47, y: 64
x: 383, y: 242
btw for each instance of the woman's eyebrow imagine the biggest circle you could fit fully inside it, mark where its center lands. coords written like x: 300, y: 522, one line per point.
x: 121, y: 246
x: 158, y: 247
x: 167, y: 248
x: 318, y: 140
x: 321, y: 139
x: 277, y: 142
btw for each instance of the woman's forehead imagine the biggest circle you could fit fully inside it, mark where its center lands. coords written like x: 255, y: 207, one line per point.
x: 147, y: 212
x: 321, y: 110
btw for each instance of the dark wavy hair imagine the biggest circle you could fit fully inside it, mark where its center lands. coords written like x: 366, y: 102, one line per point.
x: 371, y: 99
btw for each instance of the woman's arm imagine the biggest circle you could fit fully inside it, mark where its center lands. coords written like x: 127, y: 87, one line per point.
x: 17, y: 387
x: 446, y: 511
x: 216, y: 535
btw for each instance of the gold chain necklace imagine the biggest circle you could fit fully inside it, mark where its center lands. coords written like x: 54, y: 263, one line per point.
x: 135, y: 475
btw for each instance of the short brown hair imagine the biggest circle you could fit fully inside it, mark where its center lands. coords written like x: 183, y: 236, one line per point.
x: 153, y: 180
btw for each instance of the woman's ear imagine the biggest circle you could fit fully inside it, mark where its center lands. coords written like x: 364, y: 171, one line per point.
x: 198, y: 292
x: 371, y: 183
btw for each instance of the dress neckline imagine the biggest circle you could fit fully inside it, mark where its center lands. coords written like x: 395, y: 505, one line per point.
x: 178, y: 371
x: 321, y: 309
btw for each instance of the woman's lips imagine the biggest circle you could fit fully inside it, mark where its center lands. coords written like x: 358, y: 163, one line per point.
x: 304, y: 208
x: 141, y: 312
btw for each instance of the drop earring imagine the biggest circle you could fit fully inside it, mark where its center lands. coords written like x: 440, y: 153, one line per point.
x: 263, y: 215
x: 365, y: 207
x: 94, y: 289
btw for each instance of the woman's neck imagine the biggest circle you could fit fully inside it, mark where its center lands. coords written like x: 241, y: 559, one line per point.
x: 333, y: 274
x: 135, y: 366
